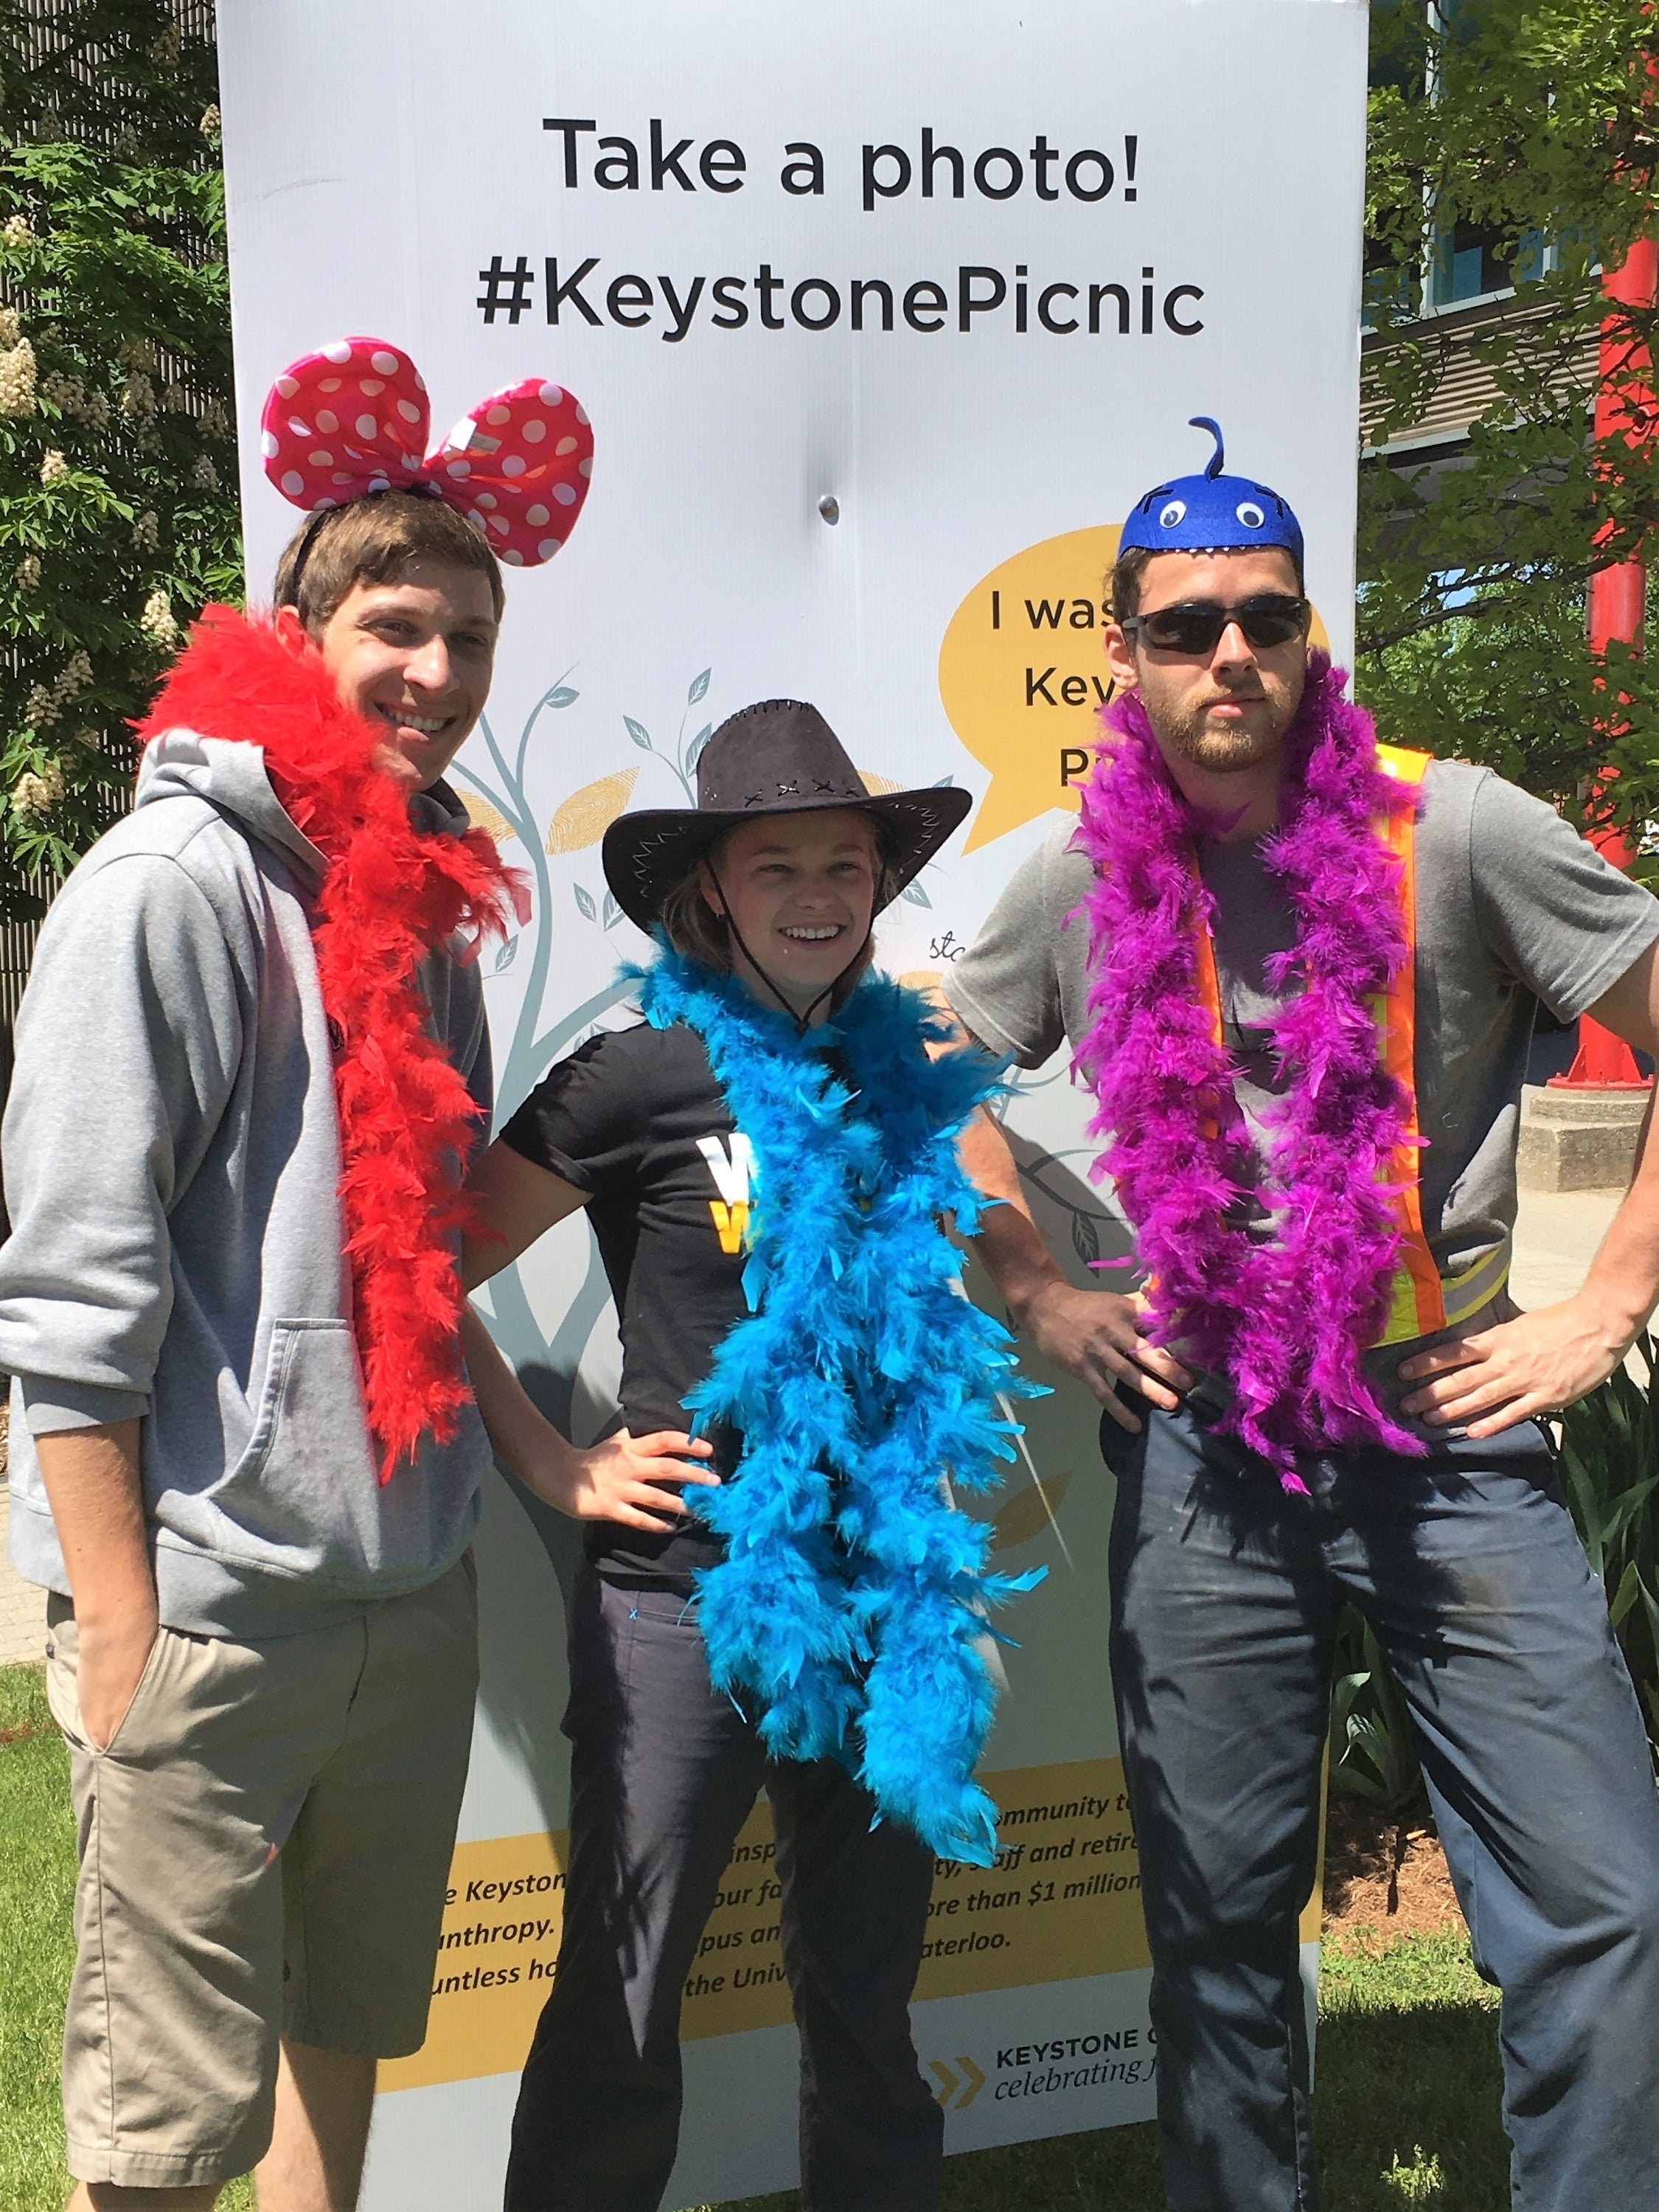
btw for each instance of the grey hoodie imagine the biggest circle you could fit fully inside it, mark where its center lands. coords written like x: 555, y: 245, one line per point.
x: 171, y: 1167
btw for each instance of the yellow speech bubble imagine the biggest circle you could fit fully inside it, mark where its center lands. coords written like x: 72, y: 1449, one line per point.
x: 1022, y: 672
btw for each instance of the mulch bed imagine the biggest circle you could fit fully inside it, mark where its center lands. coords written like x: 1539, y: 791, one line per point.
x: 1385, y: 1878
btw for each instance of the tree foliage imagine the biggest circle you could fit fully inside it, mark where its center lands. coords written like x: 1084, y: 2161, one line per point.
x: 117, y: 470
x: 1528, y: 120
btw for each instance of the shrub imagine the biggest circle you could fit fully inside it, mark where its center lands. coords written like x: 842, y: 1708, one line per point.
x: 118, y: 464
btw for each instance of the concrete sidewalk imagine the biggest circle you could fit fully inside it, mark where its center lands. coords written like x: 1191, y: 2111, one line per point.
x: 1556, y: 1238
x: 23, y: 1607
x: 1556, y: 1234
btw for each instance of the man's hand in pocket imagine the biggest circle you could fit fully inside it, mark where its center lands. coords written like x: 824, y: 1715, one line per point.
x: 91, y: 1477
x: 112, y: 1655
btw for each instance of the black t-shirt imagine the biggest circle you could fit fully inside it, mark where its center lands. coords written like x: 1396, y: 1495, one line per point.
x: 636, y: 1118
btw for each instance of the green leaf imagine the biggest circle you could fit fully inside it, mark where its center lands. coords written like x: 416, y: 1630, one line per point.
x: 1626, y: 1595
x: 1624, y: 1509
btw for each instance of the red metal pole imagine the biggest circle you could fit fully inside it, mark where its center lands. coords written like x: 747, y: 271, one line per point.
x: 1624, y: 408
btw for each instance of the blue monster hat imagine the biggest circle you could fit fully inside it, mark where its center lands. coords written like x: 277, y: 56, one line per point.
x: 1211, y: 513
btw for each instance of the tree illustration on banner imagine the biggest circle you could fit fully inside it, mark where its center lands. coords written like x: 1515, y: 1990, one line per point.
x: 548, y: 1367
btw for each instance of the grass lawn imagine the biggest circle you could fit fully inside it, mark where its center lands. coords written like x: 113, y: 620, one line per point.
x: 1407, y: 2110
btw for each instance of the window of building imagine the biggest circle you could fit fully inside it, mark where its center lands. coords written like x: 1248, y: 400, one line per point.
x: 1472, y: 262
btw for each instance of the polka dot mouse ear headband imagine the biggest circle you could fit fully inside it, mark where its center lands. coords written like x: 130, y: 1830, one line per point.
x: 355, y: 419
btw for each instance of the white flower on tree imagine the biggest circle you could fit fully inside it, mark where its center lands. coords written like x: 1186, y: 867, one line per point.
x: 17, y: 379
x: 34, y: 794
x: 44, y: 705
x: 72, y: 396
x: 157, y: 619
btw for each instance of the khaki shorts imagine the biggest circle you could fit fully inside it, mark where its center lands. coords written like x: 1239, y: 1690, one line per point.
x: 265, y: 1848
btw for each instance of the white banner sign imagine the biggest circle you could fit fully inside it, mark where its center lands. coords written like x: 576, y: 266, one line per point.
x: 883, y: 319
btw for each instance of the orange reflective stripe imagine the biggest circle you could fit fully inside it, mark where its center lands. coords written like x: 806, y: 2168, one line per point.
x: 1209, y: 997
x: 1209, y: 987
x: 1417, y: 1300
x: 1417, y: 1304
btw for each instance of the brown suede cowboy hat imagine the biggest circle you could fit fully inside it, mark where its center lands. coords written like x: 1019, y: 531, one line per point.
x: 778, y: 758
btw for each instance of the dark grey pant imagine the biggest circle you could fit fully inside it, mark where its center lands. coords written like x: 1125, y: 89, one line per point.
x: 664, y: 1773
x: 1225, y: 1596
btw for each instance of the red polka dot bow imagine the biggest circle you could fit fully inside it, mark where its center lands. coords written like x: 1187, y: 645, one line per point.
x: 355, y: 419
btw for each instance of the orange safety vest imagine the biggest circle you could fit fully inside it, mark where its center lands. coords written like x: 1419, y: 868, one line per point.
x: 1421, y: 1300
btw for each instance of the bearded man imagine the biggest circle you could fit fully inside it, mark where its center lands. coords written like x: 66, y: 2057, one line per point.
x: 1300, y: 972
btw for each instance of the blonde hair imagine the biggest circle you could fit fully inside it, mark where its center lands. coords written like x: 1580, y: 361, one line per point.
x: 695, y: 928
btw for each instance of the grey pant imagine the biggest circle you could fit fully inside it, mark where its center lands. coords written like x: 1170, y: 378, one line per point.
x: 1225, y: 1595
x: 663, y: 1773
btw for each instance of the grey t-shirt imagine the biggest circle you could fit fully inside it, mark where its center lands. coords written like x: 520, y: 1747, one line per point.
x: 1513, y: 908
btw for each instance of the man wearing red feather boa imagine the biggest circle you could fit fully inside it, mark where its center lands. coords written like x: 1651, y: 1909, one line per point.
x: 1300, y: 972
x: 251, y: 1062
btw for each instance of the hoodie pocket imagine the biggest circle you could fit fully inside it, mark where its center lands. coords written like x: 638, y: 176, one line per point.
x: 304, y: 1498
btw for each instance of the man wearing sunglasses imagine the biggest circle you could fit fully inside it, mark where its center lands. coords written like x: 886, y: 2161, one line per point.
x: 1300, y: 972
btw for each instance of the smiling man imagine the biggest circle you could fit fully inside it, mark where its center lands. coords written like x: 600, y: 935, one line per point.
x: 243, y: 1458
x: 1300, y: 972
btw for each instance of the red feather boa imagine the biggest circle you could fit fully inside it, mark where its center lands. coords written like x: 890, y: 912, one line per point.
x: 391, y: 896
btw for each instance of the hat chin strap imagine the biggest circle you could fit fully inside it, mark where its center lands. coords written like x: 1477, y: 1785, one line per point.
x: 803, y: 1022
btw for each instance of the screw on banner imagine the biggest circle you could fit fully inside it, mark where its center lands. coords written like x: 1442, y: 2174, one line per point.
x: 971, y: 2083
x: 830, y: 507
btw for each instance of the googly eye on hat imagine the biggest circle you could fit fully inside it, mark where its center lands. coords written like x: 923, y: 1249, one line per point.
x: 1211, y: 513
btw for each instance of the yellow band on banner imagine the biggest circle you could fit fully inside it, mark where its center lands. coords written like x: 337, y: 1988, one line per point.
x: 1063, y: 1901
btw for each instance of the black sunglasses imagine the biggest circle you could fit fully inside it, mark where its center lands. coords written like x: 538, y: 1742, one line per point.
x: 1196, y: 625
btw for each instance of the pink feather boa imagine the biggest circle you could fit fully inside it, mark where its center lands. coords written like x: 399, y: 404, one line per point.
x: 1286, y: 1321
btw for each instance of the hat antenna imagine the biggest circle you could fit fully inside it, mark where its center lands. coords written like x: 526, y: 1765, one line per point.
x: 1219, y: 459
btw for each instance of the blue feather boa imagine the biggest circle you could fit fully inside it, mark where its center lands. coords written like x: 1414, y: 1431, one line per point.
x: 849, y: 1608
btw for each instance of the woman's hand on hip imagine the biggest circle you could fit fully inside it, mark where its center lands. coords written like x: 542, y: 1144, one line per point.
x: 635, y: 1480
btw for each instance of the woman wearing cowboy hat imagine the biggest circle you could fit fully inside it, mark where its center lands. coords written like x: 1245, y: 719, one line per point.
x: 791, y: 1601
